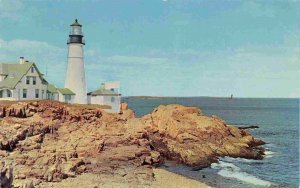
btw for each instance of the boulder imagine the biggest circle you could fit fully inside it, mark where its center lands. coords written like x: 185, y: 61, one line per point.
x: 186, y: 135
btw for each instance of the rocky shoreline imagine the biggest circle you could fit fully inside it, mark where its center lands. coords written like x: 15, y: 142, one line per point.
x: 47, y: 142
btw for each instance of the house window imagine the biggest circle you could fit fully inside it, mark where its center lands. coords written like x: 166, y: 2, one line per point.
x: 1, y: 94
x: 8, y: 93
x: 67, y: 98
x: 37, y: 93
x: 32, y: 69
x: 24, y: 93
x: 27, y: 80
x: 42, y: 94
x: 34, y: 80
x: 112, y: 99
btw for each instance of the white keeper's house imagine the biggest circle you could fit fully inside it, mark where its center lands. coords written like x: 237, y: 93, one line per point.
x: 24, y: 81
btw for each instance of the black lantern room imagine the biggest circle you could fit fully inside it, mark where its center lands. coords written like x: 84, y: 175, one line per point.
x: 76, y: 35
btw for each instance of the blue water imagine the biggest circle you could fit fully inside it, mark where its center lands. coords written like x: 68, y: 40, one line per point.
x: 278, y: 121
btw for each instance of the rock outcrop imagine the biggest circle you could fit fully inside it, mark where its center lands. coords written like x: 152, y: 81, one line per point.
x: 48, y: 141
x: 186, y: 135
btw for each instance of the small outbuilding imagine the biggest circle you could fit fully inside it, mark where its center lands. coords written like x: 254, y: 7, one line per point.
x: 52, y: 92
x: 108, y: 97
x: 65, y: 95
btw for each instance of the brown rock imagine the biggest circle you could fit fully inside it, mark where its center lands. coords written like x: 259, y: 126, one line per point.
x: 195, y: 139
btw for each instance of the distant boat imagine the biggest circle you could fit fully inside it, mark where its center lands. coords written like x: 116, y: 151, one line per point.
x: 231, y: 97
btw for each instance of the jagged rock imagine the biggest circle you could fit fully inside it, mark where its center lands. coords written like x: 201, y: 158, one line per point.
x: 6, y: 175
x: 186, y: 135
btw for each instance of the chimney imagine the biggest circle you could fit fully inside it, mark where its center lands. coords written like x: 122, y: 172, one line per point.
x: 102, y: 86
x: 21, y: 60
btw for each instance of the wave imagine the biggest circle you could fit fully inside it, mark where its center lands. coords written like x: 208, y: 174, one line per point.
x: 268, y: 154
x: 229, y: 170
x: 242, y: 160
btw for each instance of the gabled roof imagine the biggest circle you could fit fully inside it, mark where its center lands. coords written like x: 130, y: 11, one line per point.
x: 51, y: 89
x: 65, y: 91
x: 14, y: 73
x: 104, y: 92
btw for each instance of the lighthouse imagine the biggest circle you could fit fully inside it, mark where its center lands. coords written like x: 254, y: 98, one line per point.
x: 75, y: 78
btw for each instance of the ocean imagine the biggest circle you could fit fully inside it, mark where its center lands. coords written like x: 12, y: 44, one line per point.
x: 278, y: 121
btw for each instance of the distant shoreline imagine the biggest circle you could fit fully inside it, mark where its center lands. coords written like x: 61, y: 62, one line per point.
x: 179, y: 97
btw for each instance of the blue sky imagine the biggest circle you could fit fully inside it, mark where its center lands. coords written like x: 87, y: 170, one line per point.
x: 164, y: 47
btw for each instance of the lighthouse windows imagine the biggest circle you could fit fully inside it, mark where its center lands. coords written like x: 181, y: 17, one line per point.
x: 76, y: 30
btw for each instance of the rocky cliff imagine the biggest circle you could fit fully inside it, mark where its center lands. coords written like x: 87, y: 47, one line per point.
x: 46, y: 142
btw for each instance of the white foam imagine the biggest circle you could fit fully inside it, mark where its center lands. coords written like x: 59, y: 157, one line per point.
x: 268, y: 153
x: 230, y: 159
x: 231, y: 171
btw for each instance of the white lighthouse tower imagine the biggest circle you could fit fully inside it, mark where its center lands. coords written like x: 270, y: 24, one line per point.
x: 75, y: 79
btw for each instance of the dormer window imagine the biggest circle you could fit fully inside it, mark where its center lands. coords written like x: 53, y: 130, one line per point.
x: 32, y: 69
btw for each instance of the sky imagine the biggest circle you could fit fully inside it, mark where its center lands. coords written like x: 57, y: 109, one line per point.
x: 163, y: 47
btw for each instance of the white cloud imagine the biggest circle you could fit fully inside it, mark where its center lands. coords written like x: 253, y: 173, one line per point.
x: 10, y: 9
x: 137, y: 59
x: 28, y: 47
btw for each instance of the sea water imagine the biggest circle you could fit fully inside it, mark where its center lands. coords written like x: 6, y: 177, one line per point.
x: 278, y: 121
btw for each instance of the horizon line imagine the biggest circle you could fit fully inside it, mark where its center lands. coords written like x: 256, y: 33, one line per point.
x: 149, y: 96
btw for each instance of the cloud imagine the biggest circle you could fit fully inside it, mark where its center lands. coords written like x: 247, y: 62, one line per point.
x: 10, y: 9
x: 28, y: 47
x: 137, y: 59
